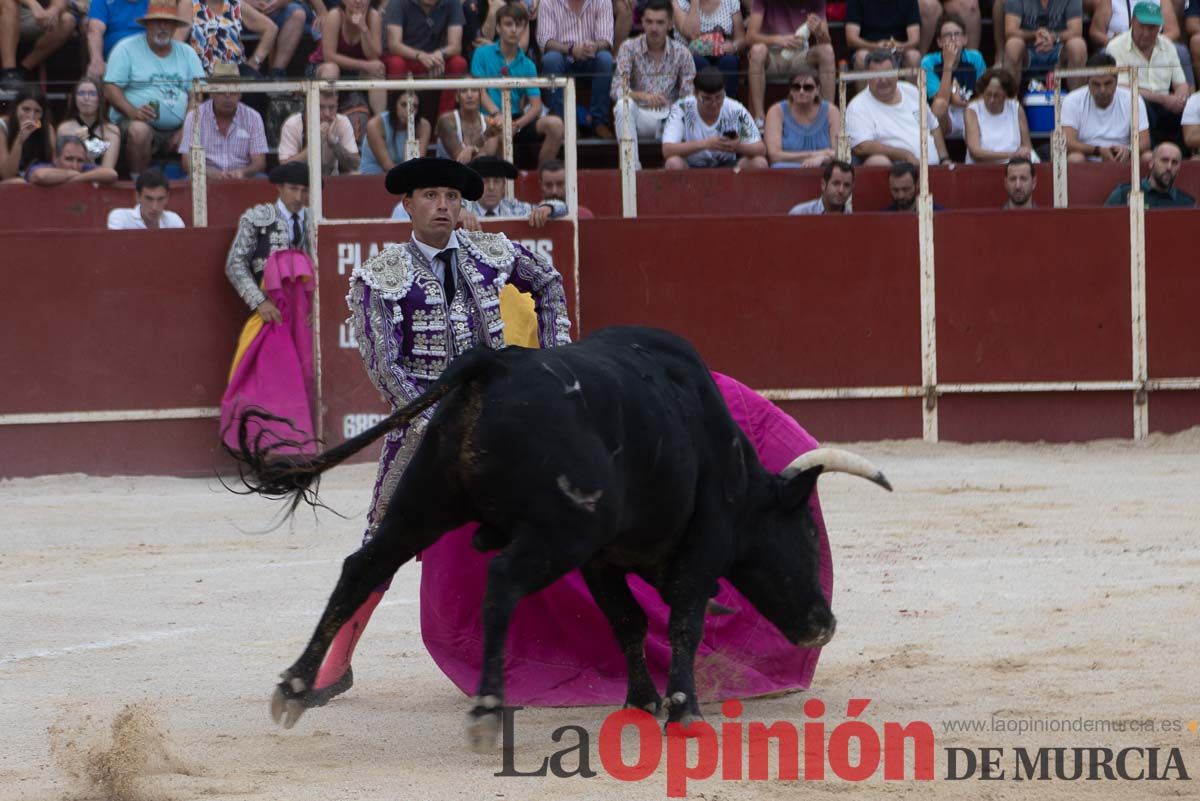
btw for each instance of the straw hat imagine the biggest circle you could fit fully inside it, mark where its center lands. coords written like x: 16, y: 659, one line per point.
x: 162, y: 9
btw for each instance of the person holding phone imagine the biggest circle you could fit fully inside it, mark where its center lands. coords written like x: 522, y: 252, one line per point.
x: 710, y: 130
x: 146, y: 84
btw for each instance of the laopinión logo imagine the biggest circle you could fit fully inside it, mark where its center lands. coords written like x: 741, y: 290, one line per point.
x: 853, y: 750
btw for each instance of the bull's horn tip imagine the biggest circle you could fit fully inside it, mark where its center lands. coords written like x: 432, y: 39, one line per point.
x: 880, y: 479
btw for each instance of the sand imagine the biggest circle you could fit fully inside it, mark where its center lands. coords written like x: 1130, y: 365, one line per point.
x: 145, y: 621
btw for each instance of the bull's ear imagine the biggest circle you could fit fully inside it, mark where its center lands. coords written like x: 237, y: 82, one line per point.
x: 798, y: 489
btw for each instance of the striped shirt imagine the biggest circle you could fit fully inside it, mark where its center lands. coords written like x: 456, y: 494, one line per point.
x: 556, y: 21
x: 246, y: 137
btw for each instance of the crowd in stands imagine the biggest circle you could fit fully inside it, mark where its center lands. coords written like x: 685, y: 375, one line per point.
x: 663, y: 71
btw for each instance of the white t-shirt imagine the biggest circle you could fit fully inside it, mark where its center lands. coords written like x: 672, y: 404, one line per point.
x: 999, y: 133
x: 131, y: 219
x: 684, y: 124
x: 1101, y: 126
x: 1191, y: 112
x: 892, y: 124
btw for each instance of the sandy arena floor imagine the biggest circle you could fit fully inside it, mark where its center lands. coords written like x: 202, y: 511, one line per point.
x: 1006, y: 581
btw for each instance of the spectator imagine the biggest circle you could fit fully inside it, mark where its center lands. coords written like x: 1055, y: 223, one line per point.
x: 715, y: 34
x: 1020, y: 179
x: 837, y: 189
x: 1192, y: 34
x: 71, y: 165
x: 110, y: 21
x: 893, y: 25
x: 1161, y: 81
x: 1111, y: 19
x: 552, y: 176
x: 1040, y: 38
x: 883, y: 122
x: 232, y: 136
x: 87, y: 118
x: 266, y: 228
x: 424, y: 37
x: 996, y: 128
x: 505, y: 58
x: 217, y: 35
x: 464, y: 134
x: 576, y: 38
x: 147, y: 84
x: 951, y: 74
x: 290, y: 18
x: 802, y: 130
x: 339, y: 150
x: 708, y: 129
x: 903, y: 185
x: 777, y: 48
x: 26, y: 135
x: 496, y: 172
x: 1096, y: 118
x: 1158, y: 188
x: 965, y: 10
x: 152, y: 191
x: 658, y: 71
x: 386, y: 142
x: 1191, y: 124
x: 49, y: 24
x: 351, y: 46
x: 486, y: 33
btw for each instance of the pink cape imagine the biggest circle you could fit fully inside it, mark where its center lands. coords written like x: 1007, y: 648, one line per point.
x: 561, y: 650
x: 276, y: 371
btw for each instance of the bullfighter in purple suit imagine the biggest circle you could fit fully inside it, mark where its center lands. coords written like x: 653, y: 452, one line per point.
x: 417, y: 306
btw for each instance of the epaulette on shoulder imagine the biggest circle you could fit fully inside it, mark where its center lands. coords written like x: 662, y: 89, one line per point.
x: 493, y: 248
x: 389, y: 272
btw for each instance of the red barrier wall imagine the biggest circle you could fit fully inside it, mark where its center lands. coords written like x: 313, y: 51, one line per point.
x: 660, y: 194
x: 146, y: 320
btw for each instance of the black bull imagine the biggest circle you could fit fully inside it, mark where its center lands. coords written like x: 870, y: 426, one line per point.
x: 615, y: 455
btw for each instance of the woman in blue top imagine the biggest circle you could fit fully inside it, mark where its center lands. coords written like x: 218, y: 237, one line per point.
x: 950, y: 74
x: 387, y: 134
x: 801, y: 131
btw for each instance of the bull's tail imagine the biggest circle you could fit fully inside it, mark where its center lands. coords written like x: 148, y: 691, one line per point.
x: 264, y: 471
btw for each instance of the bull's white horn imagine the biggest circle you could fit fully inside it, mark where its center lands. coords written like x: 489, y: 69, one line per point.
x: 835, y: 460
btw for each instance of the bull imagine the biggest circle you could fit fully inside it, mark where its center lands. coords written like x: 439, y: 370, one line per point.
x: 614, y: 455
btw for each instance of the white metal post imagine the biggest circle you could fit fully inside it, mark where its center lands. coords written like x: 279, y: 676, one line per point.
x: 843, y: 142
x: 572, y: 165
x: 506, y: 137
x: 412, y: 147
x: 1058, y: 150
x: 627, y: 152
x: 316, y: 210
x: 1137, y: 266
x: 198, y: 166
x: 929, y: 410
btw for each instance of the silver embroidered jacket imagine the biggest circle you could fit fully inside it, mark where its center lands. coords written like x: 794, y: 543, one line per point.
x: 405, y: 333
x: 261, y: 231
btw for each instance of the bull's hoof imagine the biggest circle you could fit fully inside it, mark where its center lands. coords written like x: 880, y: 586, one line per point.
x: 653, y: 707
x: 681, y: 710
x: 483, y: 724
x: 286, y: 702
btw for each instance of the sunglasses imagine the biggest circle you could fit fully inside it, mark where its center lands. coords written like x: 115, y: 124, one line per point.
x: 805, y: 87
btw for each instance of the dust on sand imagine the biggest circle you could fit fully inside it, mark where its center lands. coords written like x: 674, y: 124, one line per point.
x: 115, y: 762
x: 999, y: 582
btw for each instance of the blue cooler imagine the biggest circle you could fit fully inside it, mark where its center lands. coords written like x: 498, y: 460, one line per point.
x: 1039, y: 112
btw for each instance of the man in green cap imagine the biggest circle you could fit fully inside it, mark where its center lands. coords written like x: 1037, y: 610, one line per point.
x: 1161, y: 80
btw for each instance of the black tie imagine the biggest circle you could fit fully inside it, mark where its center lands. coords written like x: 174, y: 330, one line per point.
x: 445, y: 257
x: 297, y: 234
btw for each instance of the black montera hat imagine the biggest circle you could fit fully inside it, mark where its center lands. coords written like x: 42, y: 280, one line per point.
x: 291, y: 172
x: 493, y: 167
x: 415, y: 174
